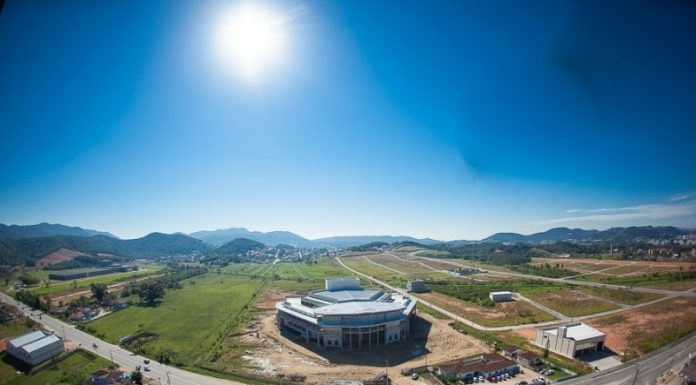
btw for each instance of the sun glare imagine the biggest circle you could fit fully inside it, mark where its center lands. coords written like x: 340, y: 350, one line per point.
x: 250, y: 39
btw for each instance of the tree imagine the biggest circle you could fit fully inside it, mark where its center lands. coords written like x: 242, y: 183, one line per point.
x: 99, y: 292
x: 150, y: 292
x: 136, y: 376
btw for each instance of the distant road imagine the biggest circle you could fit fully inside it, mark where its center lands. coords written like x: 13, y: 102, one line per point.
x: 166, y: 375
x: 689, y: 293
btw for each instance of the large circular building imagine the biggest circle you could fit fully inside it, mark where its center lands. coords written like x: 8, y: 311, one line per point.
x: 346, y: 316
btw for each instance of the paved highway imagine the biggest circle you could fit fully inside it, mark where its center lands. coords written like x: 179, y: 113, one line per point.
x: 166, y: 375
x: 644, y: 371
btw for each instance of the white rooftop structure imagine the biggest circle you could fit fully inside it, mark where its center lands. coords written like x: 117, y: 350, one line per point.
x: 578, y: 332
x: 345, y: 315
x: 27, y: 338
x: 35, y: 347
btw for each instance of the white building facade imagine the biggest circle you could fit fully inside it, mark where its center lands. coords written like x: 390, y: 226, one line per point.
x: 346, y: 316
x: 571, y: 340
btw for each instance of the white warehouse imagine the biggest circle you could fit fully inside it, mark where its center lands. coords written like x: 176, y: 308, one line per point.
x: 500, y: 296
x: 571, y: 340
x: 346, y: 316
x: 35, y: 347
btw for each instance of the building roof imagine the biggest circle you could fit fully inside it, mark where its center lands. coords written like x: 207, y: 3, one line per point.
x: 358, y: 308
x: 41, y: 343
x: 487, y: 363
x: 529, y: 356
x: 501, y: 293
x: 511, y: 348
x: 578, y: 332
x: 348, y: 295
x: 26, y: 338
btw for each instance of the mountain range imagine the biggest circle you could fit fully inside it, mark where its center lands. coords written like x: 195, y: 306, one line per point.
x: 26, y: 244
x: 273, y: 238
x: 618, y: 234
x: 45, y: 230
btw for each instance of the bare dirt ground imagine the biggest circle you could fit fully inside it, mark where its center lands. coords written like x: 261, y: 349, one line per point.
x: 504, y: 313
x: 633, y: 329
x: 270, y: 298
x: 277, y: 356
x: 528, y: 333
x: 58, y: 256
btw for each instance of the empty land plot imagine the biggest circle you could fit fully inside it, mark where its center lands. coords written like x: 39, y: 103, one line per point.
x: 625, y: 269
x: 322, y: 269
x: 617, y: 295
x: 502, y: 314
x: 683, y: 285
x: 568, y: 302
x: 437, y: 264
x: 406, y: 267
x: 639, y: 331
x: 204, y: 312
x: 364, y: 266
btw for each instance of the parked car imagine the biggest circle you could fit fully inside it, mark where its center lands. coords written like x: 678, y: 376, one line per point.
x: 549, y: 372
x: 522, y: 383
x: 414, y: 376
x: 481, y: 379
x: 146, y: 368
x: 146, y: 361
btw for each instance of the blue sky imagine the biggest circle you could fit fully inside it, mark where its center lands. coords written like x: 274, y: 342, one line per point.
x: 451, y: 120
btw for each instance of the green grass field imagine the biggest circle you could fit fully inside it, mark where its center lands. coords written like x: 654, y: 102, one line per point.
x: 190, y: 321
x: 621, y: 296
x: 74, y: 369
x: 569, y: 302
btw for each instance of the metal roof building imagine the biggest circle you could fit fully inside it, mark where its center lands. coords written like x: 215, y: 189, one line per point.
x: 346, y: 316
x: 35, y: 347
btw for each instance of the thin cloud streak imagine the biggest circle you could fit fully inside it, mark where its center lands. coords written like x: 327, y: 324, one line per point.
x: 619, y: 214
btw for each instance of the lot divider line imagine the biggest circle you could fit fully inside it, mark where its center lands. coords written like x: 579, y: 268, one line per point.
x: 415, y: 262
x: 382, y: 266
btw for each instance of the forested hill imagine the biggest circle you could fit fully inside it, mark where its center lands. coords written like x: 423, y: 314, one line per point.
x: 619, y: 234
x: 46, y: 230
x: 28, y: 250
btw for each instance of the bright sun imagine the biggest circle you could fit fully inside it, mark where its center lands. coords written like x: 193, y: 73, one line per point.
x: 250, y: 39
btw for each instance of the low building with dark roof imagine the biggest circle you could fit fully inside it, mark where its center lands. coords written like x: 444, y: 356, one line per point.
x: 511, y: 351
x: 486, y: 365
x: 529, y: 359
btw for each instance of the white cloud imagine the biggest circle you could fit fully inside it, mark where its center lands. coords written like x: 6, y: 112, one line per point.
x: 682, y: 196
x: 671, y: 209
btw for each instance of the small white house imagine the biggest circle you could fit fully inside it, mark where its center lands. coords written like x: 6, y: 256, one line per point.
x: 500, y: 296
x: 35, y: 347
